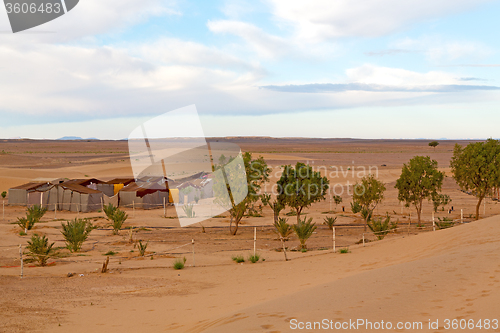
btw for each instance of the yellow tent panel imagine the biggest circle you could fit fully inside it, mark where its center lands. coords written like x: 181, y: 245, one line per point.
x: 173, y: 196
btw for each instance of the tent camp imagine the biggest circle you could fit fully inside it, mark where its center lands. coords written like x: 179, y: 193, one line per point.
x: 28, y: 194
x: 76, y: 198
x: 148, y: 195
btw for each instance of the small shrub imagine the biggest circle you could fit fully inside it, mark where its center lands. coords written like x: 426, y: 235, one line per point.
x: 303, y: 250
x: 142, y: 248
x: 118, y: 218
x: 189, y: 210
x: 330, y: 221
x: 381, y: 228
x: 110, y: 253
x: 4, y: 194
x: 76, y: 232
x: 444, y: 223
x: 356, y: 207
x: 238, y: 259
x: 304, y: 229
x: 179, y: 263
x: 254, y: 258
x: 40, y: 250
x: 22, y: 233
x: 33, y: 216
x: 109, y: 210
x: 344, y: 250
x: 196, y: 199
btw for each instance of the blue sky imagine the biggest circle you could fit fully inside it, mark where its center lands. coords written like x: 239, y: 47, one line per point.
x: 317, y: 68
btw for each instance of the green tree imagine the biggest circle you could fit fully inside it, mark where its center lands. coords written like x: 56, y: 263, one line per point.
x: 476, y: 168
x: 256, y: 173
x: 76, y: 232
x: 419, y: 180
x: 4, y: 194
x: 301, y: 186
x: 367, y: 193
x: 440, y: 200
x: 337, y: 199
x: 433, y: 144
x: 275, y: 205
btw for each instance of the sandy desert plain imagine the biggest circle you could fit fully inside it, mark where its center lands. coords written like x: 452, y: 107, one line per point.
x: 413, y: 275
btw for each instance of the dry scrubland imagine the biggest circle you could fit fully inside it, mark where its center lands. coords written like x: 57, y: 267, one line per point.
x: 411, y: 275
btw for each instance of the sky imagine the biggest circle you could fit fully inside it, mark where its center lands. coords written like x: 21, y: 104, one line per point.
x: 280, y: 68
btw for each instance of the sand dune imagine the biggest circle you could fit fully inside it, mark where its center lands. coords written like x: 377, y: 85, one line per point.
x: 448, y: 274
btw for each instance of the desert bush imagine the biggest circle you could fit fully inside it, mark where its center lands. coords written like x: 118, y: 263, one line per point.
x: 118, y: 218
x: 381, y: 227
x: 4, y: 194
x: 304, y: 229
x: 179, y: 263
x: 344, y: 250
x: 142, y: 248
x: 33, y: 216
x: 238, y: 259
x: 189, y: 210
x: 444, y: 223
x: 330, y: 221
x: 40, y: 250
x: 110, y: 253
x: 254, y: 258
x: 110, y: 210
x: 76, y: 232
x: 355, y: 207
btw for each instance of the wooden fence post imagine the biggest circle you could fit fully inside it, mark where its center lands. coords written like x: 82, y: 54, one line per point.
x: 334, y: 250
x: 254, y: 240
x: 192, y: 241
x: 22, y: 261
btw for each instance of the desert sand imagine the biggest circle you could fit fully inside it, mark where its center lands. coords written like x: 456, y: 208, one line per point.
x: 414, y: 275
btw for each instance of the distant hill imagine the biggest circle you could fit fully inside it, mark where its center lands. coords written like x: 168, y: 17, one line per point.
x: 69, y: 138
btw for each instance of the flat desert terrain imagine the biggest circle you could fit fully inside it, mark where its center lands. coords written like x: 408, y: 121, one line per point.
x: 414, y: 275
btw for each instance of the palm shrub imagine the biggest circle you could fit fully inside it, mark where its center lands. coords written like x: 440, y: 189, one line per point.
x: 110, y: 210
x: 33, y: 215
x: 330, y: 221
x: 142, y: 248
x: 283, y: 229
x: 188, y: 209
x: 76, y: 232
x: 39, y: 249
x: 381, y: 227
x: 304, y: 229
x: 118, y: 217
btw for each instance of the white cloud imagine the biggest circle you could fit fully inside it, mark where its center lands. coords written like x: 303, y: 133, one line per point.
x: 323, y: 19
x: 264, y: 44
x: 370, y: 74
x: 440, y: 50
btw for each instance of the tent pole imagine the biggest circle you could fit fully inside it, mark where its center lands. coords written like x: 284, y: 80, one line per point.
x: 164, y: 208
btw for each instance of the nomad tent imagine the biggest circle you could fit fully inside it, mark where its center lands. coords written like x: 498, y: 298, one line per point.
x: 28, y: 194
x: 77, y: 198
x: 147, y: 195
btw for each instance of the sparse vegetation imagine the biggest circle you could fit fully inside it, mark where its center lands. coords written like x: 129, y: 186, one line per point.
x: 433, y: 144
x: 238, y: 259
x: 254, y: 258
x: 444, y: 223
x: 381, y: 227
x: 344, y: 250
x: 142, y: 247
x: 330, y: 221
x: 304, y: 229
x: 4, y: 194
x: 179, y: 263
x: 33, y: 216
x: 440, y: 200
x: 110, y: 253
x: 355, y: 207
x: 76, y: 232
x: 117, y: 216
x: 189, y: 210
x: 40, y: 250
